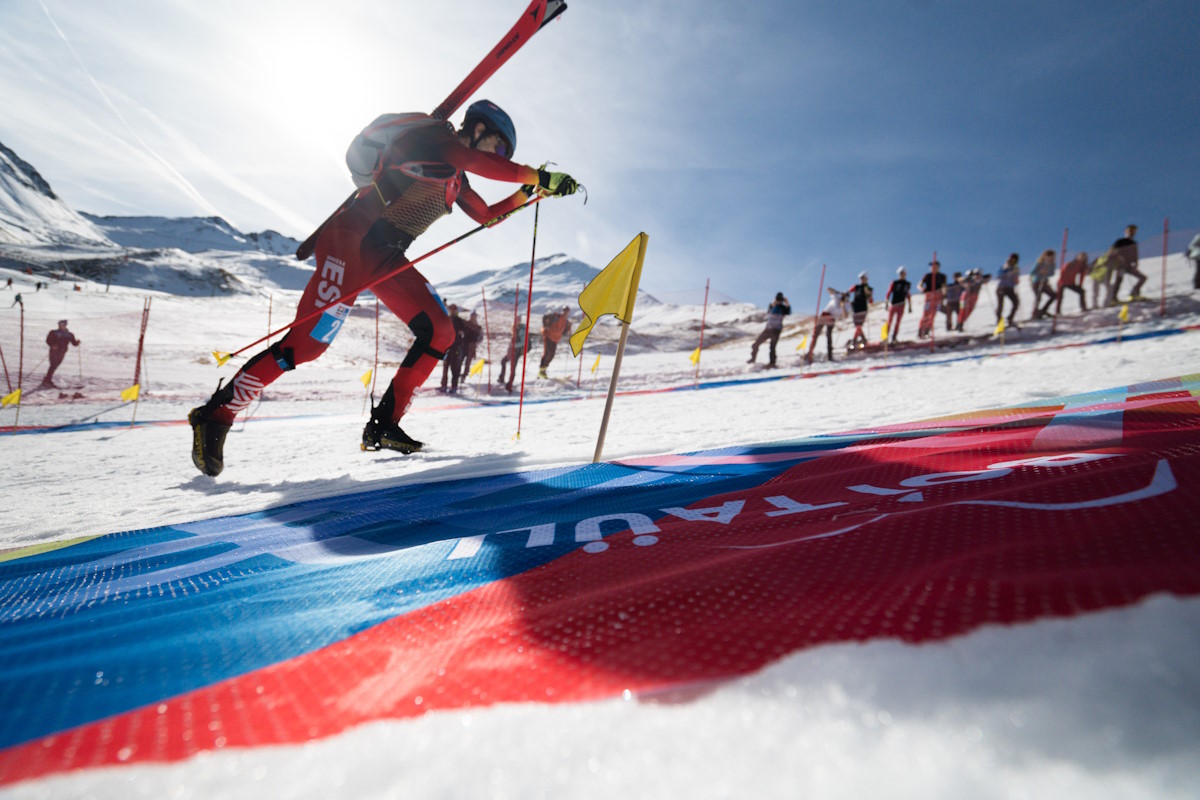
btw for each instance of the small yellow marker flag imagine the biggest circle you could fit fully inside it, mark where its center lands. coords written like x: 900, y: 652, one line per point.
x: 131, y: 394
x: 1001, y: 327
x: 695, y: 356
x: 883, y: 333
x: 596, y: 366
x: 1124, y: 315
x: 612, y: 291
x: 366, y: 378
x: 803, y: 341
x: 11, y: 399
x: 220, y: 357
x: 476, y: 368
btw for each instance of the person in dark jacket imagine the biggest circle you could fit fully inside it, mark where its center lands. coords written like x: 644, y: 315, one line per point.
x: 933, y: 286
x: 472, y: 331
x: 898, y: 294
x: 1126, y: 251
x: 452, y: 363
x: 776, y: 311
x: 60, y: 340
x: 861, y: 294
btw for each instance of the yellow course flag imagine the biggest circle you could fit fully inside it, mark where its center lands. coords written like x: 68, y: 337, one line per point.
x: 883, y: 333
x: 596, y: 366
x: 476, y: 368
x: 11, y: 399
x: 220, y: 357
x: 613, y: 291
x: 695, y: 356
x: 803, y: 341
x: 1001, y: 327
x: 366, y: 378
x: 131, y: 394
x: 1124, y: 315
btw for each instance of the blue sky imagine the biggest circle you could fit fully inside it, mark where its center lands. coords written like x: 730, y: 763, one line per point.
x: 754, y: 142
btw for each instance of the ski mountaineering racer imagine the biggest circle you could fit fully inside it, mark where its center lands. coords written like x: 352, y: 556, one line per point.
x: 416, y: 179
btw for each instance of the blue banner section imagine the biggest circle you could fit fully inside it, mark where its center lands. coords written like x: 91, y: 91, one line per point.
x: 130, y: 619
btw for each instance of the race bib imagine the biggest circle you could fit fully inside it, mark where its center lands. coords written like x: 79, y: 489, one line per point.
x: 330, y: 323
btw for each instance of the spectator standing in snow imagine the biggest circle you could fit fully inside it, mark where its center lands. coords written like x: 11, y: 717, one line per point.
x: 776, y: 311
x: 1043, y: 270
x: 516, y: 349
x: 1010, y: 276
x: 1194, y: 256
x: 933, y: 285
x: 834, y: 310
x: 1125, y: 250
x: 1070, y: 278
x: 974, y: 283
x: 861, y: 294
x: 899, y: 294
x: 472, y: 331
x: 59, y: 340
x: 9, y: 285
x: 1101, y: 274
x: 555, y: 325
x: 452, y: 363
x: 952, y: 304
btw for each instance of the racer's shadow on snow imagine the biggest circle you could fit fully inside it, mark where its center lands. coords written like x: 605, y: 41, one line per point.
x: 294, y: 492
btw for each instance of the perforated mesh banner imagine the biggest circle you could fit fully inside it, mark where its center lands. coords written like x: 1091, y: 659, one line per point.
x: 580, y: 583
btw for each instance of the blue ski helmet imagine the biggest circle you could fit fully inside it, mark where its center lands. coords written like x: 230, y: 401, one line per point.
x: 494, y: 118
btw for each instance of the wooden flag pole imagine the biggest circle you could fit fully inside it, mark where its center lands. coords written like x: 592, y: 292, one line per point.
x: 612, y: 391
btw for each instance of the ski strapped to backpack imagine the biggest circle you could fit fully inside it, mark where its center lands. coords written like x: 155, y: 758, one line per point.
x: 368, y: 147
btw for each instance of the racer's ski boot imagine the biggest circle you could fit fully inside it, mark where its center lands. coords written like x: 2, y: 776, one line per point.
x: 208, y: 435
x: 382, y: 433
x: 388, y: 437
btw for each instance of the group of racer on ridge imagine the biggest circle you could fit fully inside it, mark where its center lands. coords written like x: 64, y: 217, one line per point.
x: 417, y: 180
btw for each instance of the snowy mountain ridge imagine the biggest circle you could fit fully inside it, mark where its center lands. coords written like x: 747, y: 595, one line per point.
x: 30, y: 212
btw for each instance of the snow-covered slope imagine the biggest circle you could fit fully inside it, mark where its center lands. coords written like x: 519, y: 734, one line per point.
x: 30, y: 212
x: 196, y: 256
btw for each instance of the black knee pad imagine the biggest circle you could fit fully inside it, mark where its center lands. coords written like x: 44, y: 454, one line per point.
x: 422, y: 328
x: 285, y: 357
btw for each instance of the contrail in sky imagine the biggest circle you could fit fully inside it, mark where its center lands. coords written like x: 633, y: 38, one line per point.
x: 183, y: 182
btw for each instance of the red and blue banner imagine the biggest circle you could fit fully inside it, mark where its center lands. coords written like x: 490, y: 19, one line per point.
x: 580, y: 583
